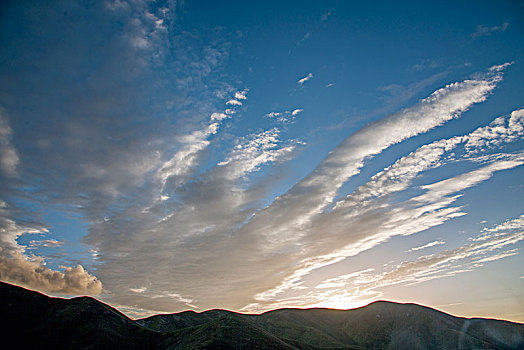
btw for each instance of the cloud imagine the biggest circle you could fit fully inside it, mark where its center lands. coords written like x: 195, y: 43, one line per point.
x: 325, y: 16
x: 305, y: 79
x: 501, y: 130
x: 285, y: 117
x: 472, y: 178
x: 223, y: 228
x: 485, y: 31
x: 214, y: 204
x: 273, y: 114
x: 252, y: 152
x: 425, y: 64
x: 304, y: 38
x: 219, y: 117
x: 10, y: 230
x: 307, y: 198
x: 431, y: 244
x: 186, y: 158
x: 137, y: 145
x: 49, y: 243
x: 361, y: 287
x: 125, y: 113
x: 367, y: 214
x: 449, y: 262
x: 8, y: 155
x: 234, y: 103
x: 296, y: 112
x: 35, y: 275
x: 241, y: 95
x: 341, y: 281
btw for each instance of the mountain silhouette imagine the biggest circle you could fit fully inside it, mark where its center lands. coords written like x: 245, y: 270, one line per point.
x: 33, y: 320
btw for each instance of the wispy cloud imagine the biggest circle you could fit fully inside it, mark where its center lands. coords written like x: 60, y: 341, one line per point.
x: 308, y: 77
x: 185, y: 159
x: 372, y: 220
x: 235, y: 237
x: 108, y: 168
x: 325, y: 16
x: 431, y: 244
x: 363, y: 286
x: 318, y: 189
x: 483, y: 30
x: 237, y: 100
x: 155, y: 154
x: 252, y: 152
x: 222, y: 226
x: 425, y: 64
x: 286, y: 117
x: 49, y: 243
x: 8, y: 155
x: 461, y: 259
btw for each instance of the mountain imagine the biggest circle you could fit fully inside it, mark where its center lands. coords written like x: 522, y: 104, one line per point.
x: 380, y: 325
x: 33, y: 320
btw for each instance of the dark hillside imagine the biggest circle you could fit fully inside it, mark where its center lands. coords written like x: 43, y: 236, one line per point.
x: 33, y: 320
x: 37, y: 321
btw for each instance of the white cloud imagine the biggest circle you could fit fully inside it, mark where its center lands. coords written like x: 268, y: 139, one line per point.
x: 342, y: 280
x: 296, y: 112
x: 241, y: 95
x: 295, y: 209
x: 285, y: 117
x: 49, y: 243
x: 35, y: 275
x: 220, y: 235
x: 458, y: 260
x: 234, y: 102
x: 431, y: 244
x: 219, y: 117
x: 10, y: 230
x: 273, y: 114
x: 364, y: 286
x: 458, y: 183
x: 306, y: 78
x: 191, y: 145
x: 220, y: 222
x: 371, y: 220
x: 501, y: 130
x: 252, y: 152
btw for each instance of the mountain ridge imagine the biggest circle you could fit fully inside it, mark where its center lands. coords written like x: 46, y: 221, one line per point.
x: 86, y: 323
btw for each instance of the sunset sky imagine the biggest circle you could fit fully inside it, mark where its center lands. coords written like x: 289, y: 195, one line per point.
x: 251, y: 155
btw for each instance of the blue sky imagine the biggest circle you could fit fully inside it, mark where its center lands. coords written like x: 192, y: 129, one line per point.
x: 165, y: 156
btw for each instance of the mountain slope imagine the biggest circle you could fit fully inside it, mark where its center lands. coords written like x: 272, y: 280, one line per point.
x: 391, y: 325
x: 380, y: 325
x: 37, y: 321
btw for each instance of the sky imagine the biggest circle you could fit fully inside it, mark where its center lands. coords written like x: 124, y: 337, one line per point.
x: 251, y: 155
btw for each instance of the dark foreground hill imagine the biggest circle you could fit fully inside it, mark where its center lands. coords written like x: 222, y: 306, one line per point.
x: 33, y: 320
